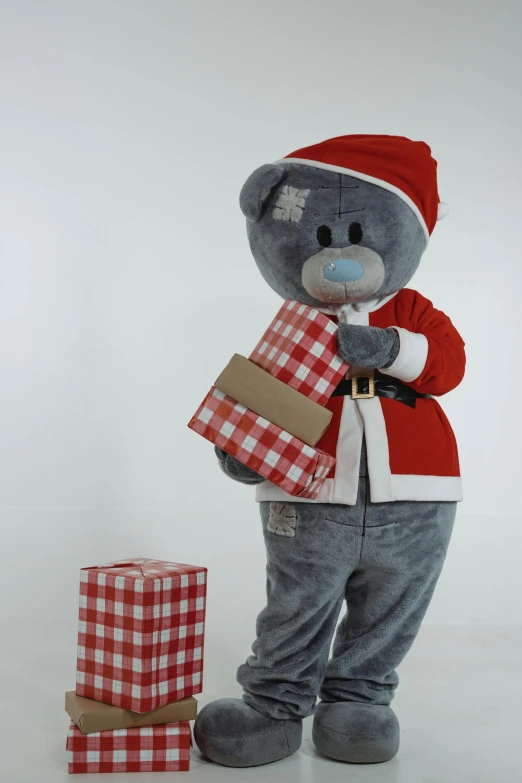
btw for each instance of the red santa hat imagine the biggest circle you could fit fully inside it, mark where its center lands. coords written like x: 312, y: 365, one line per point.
x: 403, y: 166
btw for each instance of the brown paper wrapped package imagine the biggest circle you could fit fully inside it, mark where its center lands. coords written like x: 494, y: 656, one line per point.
x: 269, y: 397
x: 91, y: 716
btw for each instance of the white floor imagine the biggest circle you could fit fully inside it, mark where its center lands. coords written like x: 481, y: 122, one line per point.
x: 459, y: 704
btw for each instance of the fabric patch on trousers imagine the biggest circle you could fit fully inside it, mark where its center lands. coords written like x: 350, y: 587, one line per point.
x: 282, y: 519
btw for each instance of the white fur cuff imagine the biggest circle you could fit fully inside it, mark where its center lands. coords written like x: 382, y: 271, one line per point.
x: 412, y: 356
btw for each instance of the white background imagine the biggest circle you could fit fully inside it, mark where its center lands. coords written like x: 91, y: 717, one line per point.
x: 126, y: 131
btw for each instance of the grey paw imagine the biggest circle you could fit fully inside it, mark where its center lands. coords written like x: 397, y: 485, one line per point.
x: 355, y: 732
x: 231, y: 733
x: 368, y: 346
x: 235, y: 469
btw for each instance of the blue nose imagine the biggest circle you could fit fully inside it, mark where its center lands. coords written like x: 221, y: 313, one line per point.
x: 343, y: 270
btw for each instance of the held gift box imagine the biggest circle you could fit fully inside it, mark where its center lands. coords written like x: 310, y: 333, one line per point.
x: 163, y: 748
x: 140, y: 633
x: 300, y: 348
x: 275, y: 432
x: 273, y: 453
x: 91, y: 716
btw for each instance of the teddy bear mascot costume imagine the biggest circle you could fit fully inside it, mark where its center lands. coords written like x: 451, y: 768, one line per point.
x: 341, y: 226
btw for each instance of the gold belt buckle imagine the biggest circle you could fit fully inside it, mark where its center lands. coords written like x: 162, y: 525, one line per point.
x: 356, y: 394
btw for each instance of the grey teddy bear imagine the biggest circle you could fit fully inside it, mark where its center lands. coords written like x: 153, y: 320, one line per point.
x: 341, y: 226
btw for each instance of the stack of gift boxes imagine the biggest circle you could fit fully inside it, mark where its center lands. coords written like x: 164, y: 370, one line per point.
x: 268, y: 411
x: 140, y: 662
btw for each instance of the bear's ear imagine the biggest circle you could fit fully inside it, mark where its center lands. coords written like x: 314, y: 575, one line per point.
x: 256, y: 190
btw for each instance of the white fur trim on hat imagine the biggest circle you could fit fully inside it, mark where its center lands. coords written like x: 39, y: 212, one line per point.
x: 442, y: 210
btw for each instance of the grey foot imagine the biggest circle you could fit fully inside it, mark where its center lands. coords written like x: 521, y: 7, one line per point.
x: 356, y: 733
x: 231, y: 733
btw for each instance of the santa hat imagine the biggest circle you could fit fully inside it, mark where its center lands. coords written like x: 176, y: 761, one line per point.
x: 395, y: 163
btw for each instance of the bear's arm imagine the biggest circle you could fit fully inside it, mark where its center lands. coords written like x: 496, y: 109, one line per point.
x: 431, y: 356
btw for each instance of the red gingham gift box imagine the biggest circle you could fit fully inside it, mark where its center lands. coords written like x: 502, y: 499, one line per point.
x: 300, y: 349
x: 273, y: 453
x: 140, y: 633
x: 163, y: 748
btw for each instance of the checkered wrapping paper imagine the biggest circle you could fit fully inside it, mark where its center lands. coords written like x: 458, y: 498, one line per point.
x: 300, y: 349
x: 141, y: 633
x: 163, y: 748
x: 273, y: 453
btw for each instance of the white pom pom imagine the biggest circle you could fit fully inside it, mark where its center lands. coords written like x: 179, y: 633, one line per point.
x: 442, y: 210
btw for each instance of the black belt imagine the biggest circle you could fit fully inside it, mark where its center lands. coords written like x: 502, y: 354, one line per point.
x: 364, y: 386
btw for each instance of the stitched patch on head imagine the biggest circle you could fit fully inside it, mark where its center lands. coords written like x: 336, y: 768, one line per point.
x: 282, y: 519
x: 290, y: 204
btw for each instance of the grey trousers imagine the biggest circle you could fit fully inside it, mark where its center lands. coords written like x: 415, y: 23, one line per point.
x: 384, y: 559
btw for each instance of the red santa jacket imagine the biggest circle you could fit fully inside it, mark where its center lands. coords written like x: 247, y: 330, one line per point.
x: 412, y: 452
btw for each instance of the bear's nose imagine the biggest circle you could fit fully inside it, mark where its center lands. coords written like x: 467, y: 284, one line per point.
x: 343, y: 270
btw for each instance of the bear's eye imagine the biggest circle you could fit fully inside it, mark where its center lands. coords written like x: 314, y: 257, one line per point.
x: 324, y: 236
x: 355, y: 233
